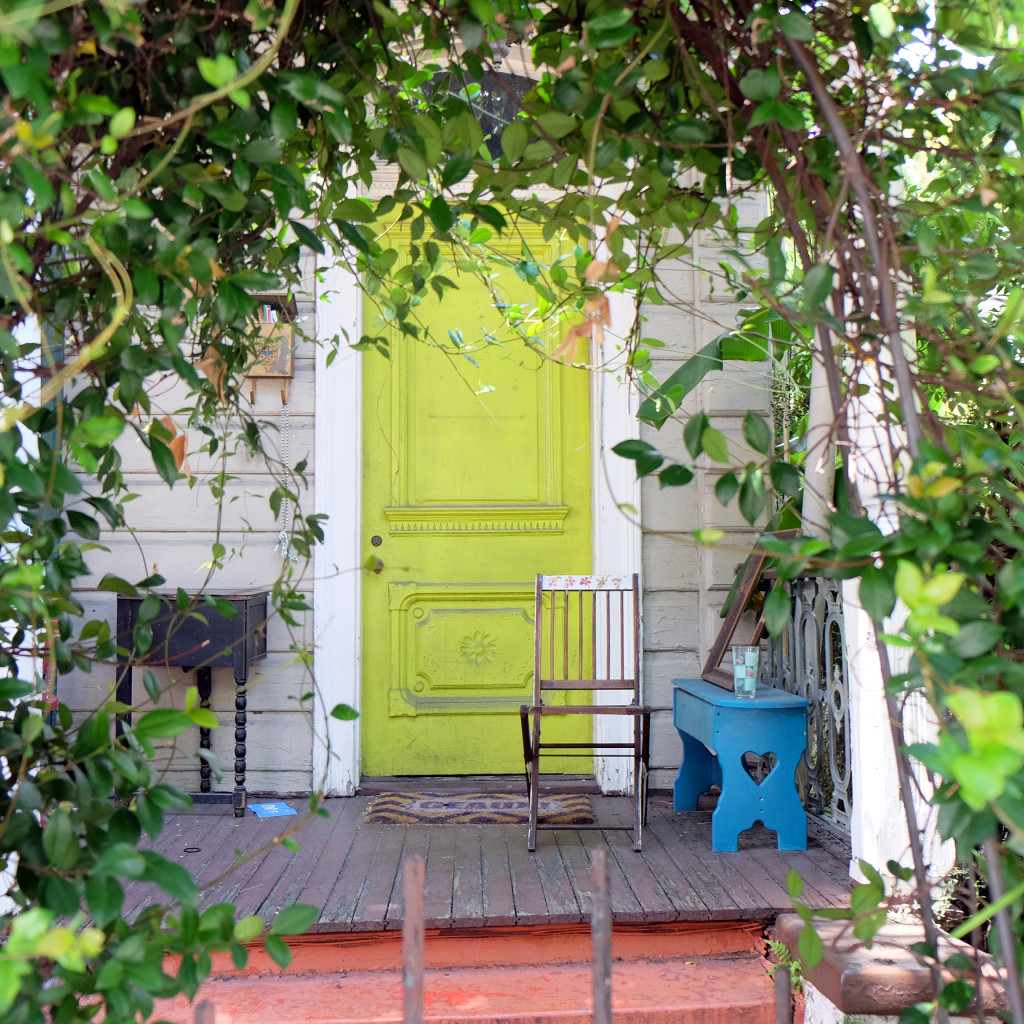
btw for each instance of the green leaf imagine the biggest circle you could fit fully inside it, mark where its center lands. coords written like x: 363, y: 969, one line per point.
x: 957, y: 995
x: 726, y: 488
x: 777, y: 610
x: 262, y: 152
x: 877, y: 594
x: 794, y: 884
x: 172, y: 878
x: 613, y: 18
x: 634, y: 449
x: 513, y: 140
x: 761, y: 84
x: 122, y: 122
x: 786, y: 479
x: 60, y: 844
x: 83, y: 525
x: 11, y: 974
x: 882, y: 20
x: 163, y: 723
x: 491, y: 215
x: 204, y: 718
x: 817, y: 285
x: 666, y: 399
x: 458, y: 166
x: 99, y: 431
x: 675, y: 476
x: 441, y: 214
x: 975, y: 639
x: 151, y: 817
x: 163, y: 460
x: 714, y: 443
x: 278, y: 950
x: 294, y: 920
x: 757, y: 433
x: 753, y: 495
x: 103, y: 896
x: 556, y: 124
x: 248, y: 928
x: 692, y: 432
x: 646, y: 456
x: 810, y: 947
x: 306, y: 236
x: 218, y: 71
x: 120, y: 859
x: 796, y: 26
x: 344, y: 713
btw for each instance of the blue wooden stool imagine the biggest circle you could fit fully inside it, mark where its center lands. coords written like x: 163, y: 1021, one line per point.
x: 717, y: 728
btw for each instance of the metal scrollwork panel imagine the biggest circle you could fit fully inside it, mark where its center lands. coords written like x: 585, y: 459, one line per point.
x: 809, y: 660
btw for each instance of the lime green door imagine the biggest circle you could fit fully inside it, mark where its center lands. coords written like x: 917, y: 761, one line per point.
x: 475, y: 478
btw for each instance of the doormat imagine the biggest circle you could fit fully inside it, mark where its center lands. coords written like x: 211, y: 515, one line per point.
x: 438, y: 807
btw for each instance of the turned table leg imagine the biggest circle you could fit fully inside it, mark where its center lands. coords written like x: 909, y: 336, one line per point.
x: 238, y: 797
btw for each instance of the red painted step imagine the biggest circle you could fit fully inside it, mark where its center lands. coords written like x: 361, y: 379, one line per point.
x: 659, y: 976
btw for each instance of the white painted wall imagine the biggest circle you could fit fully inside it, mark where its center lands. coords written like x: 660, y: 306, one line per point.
x: 172, y: 533
x: 685, y: 585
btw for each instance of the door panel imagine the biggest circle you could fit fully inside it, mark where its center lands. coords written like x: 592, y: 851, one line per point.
x: 476, y: 477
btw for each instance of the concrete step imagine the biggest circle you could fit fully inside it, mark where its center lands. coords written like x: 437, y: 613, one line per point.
x: 494, y: 981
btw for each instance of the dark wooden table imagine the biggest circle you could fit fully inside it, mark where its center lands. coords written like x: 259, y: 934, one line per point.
x: 185, y: 640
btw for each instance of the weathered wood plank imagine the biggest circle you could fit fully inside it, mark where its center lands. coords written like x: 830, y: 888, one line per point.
x: 253, y: 842
x: 468, y: 881
x: 263, y: 871
x: 376, y: 896
x: 579, y: 869
x: 674, y: 883
x: 324, y: 874
x: 657, y: 906
x: 417, y: 844
x: 625, y: 906
x: 498, y: 898
x: 353, y: 878
x: 482, y: 876
x: 531, y: 906
x: 677, y: 838
x: 439, y: 883
x: 317, y: 840
x: 559, y: 897
x: 762, y: 874
x: 821, y: 888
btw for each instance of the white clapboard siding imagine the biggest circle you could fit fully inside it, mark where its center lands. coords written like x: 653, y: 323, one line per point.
x: 160, y: 508
x: 685, y: 584
x: 173, y: 530
x: 252, y: 562
x: 135, y: 457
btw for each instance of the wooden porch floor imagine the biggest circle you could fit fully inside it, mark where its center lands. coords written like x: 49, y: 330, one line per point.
x: 483, y: 876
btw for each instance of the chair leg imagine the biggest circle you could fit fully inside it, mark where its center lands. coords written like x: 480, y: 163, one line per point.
x: 645, y: 755
x: 639, y: 782
x: 534, y: 788
x: 524, y: 721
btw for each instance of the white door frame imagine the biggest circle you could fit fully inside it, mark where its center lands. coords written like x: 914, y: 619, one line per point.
x: 337, y: 587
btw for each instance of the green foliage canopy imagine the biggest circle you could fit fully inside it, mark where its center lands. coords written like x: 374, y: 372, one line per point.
x: 163, y: 165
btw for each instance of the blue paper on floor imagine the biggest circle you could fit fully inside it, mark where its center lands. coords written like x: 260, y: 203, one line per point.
x: 274, y: 810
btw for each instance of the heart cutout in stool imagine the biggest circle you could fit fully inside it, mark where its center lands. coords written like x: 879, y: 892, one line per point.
x: 758, y: 766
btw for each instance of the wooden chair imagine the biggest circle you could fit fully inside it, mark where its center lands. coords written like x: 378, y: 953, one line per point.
x: 586, y: 662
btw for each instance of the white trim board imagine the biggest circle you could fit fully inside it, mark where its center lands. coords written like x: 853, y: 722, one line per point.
x: 337, y: 591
